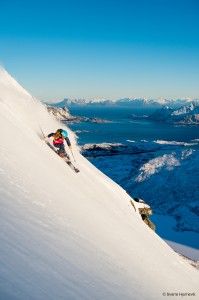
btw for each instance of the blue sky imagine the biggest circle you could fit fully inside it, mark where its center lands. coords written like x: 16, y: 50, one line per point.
x: 102, y: 48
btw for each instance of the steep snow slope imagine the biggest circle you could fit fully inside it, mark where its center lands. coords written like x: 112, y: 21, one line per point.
x: 66, y: 235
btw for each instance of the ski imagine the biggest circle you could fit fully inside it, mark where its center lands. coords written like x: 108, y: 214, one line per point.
x: 66, y: 158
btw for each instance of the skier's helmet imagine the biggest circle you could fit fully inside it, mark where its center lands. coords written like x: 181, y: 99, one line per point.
x: 64, y: 133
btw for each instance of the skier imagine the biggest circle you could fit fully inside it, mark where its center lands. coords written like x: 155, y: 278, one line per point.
x: 58, y: 141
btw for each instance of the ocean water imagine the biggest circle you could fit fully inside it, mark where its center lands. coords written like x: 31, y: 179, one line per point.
x: 122, y: 127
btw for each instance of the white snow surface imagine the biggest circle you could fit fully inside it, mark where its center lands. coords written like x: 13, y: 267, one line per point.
x: 66, y: 235
x: 175, y: 143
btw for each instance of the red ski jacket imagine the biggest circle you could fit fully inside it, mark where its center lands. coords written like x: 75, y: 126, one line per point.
x: 58, y: 141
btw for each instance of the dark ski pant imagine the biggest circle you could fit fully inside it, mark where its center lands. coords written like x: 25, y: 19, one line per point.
x: 61, y: 148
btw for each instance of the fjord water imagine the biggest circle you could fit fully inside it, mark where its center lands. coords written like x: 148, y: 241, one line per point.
x: 122, y: 127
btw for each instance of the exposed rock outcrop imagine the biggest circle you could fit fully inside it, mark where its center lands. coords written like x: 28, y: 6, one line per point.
x: 63, y: 114
x: 59, y: 113
x: 145, y: 211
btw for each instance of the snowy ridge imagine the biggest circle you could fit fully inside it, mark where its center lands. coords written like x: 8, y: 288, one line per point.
x: 66, y: 235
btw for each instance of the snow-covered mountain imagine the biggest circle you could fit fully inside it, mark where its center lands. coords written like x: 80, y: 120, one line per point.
x: 188, y: 114
x: 162, y: 114
x: 140, y: 102
x: 66, y: 235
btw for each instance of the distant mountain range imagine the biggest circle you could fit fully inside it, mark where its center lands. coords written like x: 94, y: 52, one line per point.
x: 188, y: 114
x: 142, y: 102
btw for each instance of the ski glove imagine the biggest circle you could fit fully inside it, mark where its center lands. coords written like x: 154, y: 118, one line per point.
x: 70, y: 147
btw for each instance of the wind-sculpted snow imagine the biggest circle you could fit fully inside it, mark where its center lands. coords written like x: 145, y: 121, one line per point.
x: 167, y: 161
x: 71, y: 236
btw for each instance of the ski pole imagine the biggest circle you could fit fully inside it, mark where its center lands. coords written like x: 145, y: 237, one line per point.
x: 73, y: 155
x: 42, y: 131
